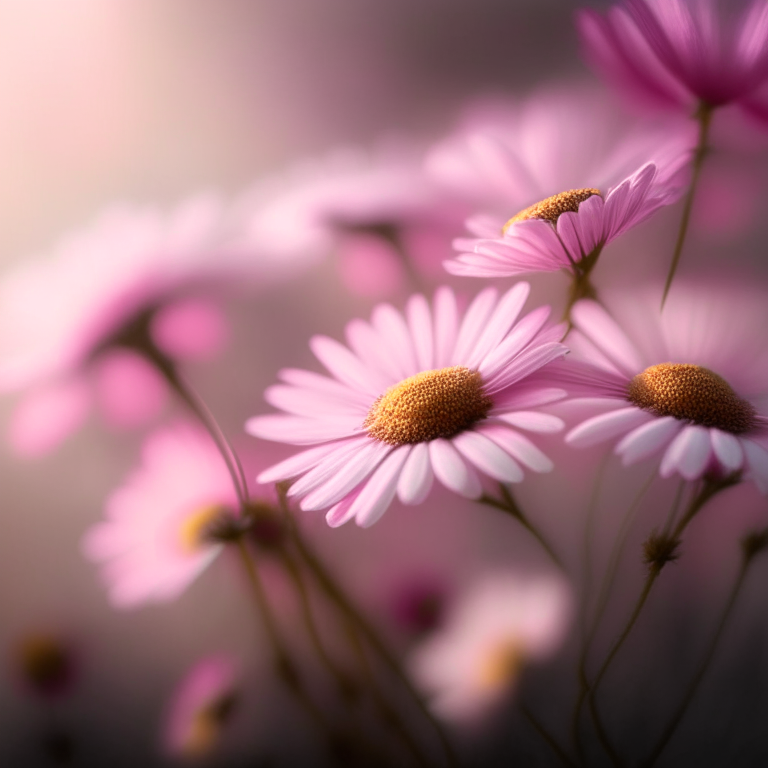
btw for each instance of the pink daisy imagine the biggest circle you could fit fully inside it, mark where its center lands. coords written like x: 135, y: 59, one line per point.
x: 689, y: 385
x: 412, y: 398
x: 155, y: 539
x: 201, y: 707
x: 683, y: 52
x: 378, y: 212
x: 76, y: 327
x: 571, y: 173
x: 499, y: 625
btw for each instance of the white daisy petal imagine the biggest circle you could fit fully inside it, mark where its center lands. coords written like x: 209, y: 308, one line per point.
x: 727, y: 448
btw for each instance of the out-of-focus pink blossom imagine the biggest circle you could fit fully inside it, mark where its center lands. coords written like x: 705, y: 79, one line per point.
x: 201, y: 707
x: 154, y: 541
x: 378, y: 211
x: 689, y: 384
x: 496, y: 627
x: 683, y: 53
x: 429, y: 394
x: 559, y: 142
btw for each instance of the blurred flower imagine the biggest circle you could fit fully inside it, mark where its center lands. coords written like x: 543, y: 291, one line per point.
x: 46, y: 663
x: 416, y: 397
x: 592, y: 176
x: 93, y: 321
x: 157, y: 536
x: 380, y: 213
x: 500, y: 623
x: 669, y: 383
x: 683, y: 52
x: 201, y: 707
x: 418, y: 603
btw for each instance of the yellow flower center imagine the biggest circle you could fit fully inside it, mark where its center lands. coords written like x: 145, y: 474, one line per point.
x: 193, y: 530
x: 431, y: 404
x: 500, y: 666
x: 553, y: 207
x: 206, y: 725
x: 693, y: 393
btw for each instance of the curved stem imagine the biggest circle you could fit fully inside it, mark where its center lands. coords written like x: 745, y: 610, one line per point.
x: 547, y: 737
x: 693, y: 686
x: 345, y: 606
x: 509, y: 505
x: 704, y: 118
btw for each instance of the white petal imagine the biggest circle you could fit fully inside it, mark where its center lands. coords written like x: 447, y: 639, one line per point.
x: 727, y: 448
x: 647, y: 439
x: 688, y: 453
x: 606, y: 426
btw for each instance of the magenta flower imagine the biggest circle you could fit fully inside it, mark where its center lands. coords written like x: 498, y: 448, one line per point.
x: 201, y: 706
x: 498, y: 626
x: 688, y: 385
x: 683, y: 52
x: 412, y: 398
x: 74, y: 328
x: 558, y: 178
x: 378, y: 212
x: 155, y: 539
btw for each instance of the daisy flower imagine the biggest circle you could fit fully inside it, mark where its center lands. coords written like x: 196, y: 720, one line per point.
x: 201, y: 707
x: 683, y: 53
x: 156, y: 539
x: 378, y: 211
x: 88, y: 323
x: 500, y: 624
x: 688, y: 385
x: 558, y: 178
x: 413, y: 398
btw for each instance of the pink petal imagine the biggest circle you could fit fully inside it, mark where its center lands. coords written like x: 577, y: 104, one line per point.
x: 452, y: 471
x: 727, y: 448
x: 606, y: 426
x: 378, y: 492
x: 190, y: 329
x: 301, y: 431
x: 518, y: 446
x: 525, y: 364
x: 298, y: 464
x: 416, y: 477
x: 45, y: 417
x: 688, y: 453
x: 311, y: 403
x: 395, y: 338
x: 522, y: 397
x: 488, y: 457
x: 347, y: 367
x: 647, y: 439
x: 757, y: 459
x: 420, y: 325
x: 445, y: 325
x: 339, y: 513
x: 532, y: 421
x: 475, y: 319
x: 327, y: 467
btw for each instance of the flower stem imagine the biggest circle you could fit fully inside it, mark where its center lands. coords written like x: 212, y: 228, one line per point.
x: 547, y: 737
x: 509, y: 505
x: 746, y: 560
x: 704, y: 118
x: 337, y: 596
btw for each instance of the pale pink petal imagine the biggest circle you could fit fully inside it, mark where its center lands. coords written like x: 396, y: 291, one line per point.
x: 311, y: 403
x: 445, y: 325
x: 322, y: 384
x: 325, y: 469
x: 727, y: 448
x: 339, y: 513
x: 757, y: 458
x: 529, y: 397
x: 688, y: 453
x: 379, y: 490
x: 395, y: 338
x: 296, y: 465
x: 475, y: 320
x: 359, y: 466
x: 528, y: 362
x: 420, y: 325
x: 345, y: 366
x: 488, y: 457
x: 452, y: 471
x: 416, y: 477
x: 532, y: 421
x: 46, y: 417
x: 606, y: 426
x: 301, y: 431
x: 190, y: 329
x: 647, y: 439
x: 518, y: 446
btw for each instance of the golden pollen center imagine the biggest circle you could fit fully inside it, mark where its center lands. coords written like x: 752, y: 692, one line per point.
x: 431, y: 404
x: 500, y: 666
x: 553, y: 207
x: 691, y: 392
x: 193, y: 530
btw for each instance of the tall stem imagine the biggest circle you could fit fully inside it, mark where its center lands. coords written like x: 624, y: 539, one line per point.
x: 704, y: 118
x: 508, y: 504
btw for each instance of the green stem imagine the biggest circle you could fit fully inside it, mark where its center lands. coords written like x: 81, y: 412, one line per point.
x: 704, y: 118
x: 510, y: 506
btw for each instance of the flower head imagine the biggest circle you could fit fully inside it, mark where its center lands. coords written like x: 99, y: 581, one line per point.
x: 682, y: 52
x: 155, y: 539
x: 201, y: 707
x: 416, y: 397
x: 558, y: 178
x: 500, y: 624
x: 689, y: 384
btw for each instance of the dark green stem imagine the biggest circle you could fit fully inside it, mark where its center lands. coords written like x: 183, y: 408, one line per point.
x: 704, y: 119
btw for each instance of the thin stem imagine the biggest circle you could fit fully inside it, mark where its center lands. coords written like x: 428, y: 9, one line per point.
x: 581, y: 284
x: 693, y: 686
x: 344, y: 604
x: 704, y: 118
x: 510, y: 506
x: 547, y: 737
